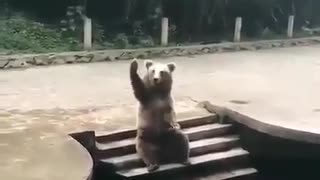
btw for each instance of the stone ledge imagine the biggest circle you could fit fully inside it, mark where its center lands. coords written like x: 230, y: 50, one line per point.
x: 229, y: 115
x: 39, y: 151
x: 29, y: 60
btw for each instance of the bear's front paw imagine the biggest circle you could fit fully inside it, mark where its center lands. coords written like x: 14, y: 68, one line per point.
x: 134, y: 65
x: 186, y: 163
x: 152, y: 167
x: 176, y: 126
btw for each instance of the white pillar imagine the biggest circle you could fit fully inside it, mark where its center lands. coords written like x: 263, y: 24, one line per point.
x: 164, y: 31
x: 87, y: 33
x: 237, y: 30
x: 290, y: 26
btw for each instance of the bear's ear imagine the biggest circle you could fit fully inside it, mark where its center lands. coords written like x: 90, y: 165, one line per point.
x: 148, y: 63
x: 171, y: 66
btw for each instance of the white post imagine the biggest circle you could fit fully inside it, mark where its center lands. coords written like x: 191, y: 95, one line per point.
x: 164, y: 31
x: 290, y: 26
x: 237, y: 30
x: 87, y: 33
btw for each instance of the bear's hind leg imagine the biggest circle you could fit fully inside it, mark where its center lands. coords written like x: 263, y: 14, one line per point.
x: 177, y: 147
x: 149, y: 153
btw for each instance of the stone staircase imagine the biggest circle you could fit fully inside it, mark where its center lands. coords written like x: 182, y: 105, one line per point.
x: 216, y: 153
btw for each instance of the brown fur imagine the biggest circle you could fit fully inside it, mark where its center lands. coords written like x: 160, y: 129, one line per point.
x: 159, y: 138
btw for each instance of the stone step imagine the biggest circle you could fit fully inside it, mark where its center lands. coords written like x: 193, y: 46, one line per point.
x: 185, y: 123
x: 200, y: 147
x: 127, y: 146
x: 236, y: 174
x: 230, y: 156
x: 241, y: 173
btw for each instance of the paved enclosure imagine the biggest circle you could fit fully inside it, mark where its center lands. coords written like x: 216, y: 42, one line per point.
x: 277, y: 86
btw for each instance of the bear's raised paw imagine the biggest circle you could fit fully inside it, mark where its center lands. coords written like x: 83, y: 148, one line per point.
x: 134, y: 65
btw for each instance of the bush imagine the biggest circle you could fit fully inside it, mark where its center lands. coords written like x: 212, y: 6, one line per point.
x: 21, y: 34
x: 121, y: 41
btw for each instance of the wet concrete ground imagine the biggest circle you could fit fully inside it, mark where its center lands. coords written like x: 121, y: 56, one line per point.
x: 277, y: 86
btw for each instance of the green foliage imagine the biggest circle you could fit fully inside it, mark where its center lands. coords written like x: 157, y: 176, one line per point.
x: 145, y: 41
x: 72, y: 24
x: 21, y: 34
x: 121, y: 41
x: 137, y: 23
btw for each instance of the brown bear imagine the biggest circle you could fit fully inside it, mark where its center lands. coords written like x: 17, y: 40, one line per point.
x: 159, y: 138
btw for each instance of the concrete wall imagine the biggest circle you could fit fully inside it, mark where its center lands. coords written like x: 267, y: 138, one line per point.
x: 278, y: 158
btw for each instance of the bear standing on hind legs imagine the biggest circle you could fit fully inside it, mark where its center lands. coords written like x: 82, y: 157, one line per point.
x: 159, y: 138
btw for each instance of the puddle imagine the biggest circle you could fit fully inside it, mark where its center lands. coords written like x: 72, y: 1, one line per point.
x: 239, y: 102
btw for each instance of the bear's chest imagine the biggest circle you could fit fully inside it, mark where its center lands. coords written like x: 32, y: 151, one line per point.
x: 159, y: 105
x: 156, y: 115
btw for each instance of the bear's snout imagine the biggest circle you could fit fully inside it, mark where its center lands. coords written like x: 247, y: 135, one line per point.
x: 156, y: 80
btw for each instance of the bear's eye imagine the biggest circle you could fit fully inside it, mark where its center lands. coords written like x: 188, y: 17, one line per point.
x: 162, y: 73
x: 152, y: 71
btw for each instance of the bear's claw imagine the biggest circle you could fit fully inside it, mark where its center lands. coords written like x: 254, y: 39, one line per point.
x: 186, y: 163
x: 152, y: 167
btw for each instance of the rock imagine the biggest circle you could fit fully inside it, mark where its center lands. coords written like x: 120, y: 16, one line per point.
x: 276, y: 44
x: 247, y: 47
x: 143, y: 55
x: 28, y: 59
x: 127, y: 55
x: 166, y: 51
x: 213, y: 49
x: 56, y: 59
x: 228, y: 48
x: 183, y: 52
x: 172, y: 52
x: 70, y: 59
x: 99, y: 57
x: 40, y: 60
x: 3, y: 62
x: 192, y: 51
x: 286, y: 44
x: 84, y: 58
x: 15, y: 63
x: 205, y: 50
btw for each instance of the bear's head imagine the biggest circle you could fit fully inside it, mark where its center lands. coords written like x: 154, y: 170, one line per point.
x: 159, y: 75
